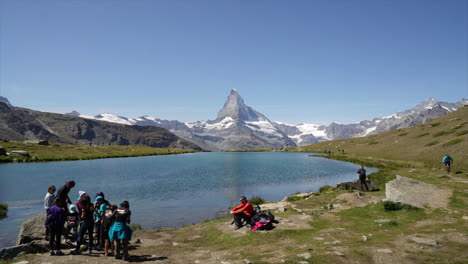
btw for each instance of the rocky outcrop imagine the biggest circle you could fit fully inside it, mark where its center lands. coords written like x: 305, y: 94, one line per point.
x: 356, y: 185
x: 32, y: 233
x: 19, y: 153
x: 15, y: 251
x: 2, y: 151
x: 416, y: 193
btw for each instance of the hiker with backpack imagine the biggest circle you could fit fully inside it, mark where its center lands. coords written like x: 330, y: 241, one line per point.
x: 447, y: 160
x: 244, y: 211
x: 54, y: 221
x: 362, y: 178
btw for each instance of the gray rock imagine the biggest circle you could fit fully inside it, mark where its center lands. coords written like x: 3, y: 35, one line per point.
x: 384, y: 250
x: 19, y: 153
x: 138, y: 241
x: 356, y: 185
x: 305, y: 255
x: 303, y: 262
x: 314, y: 212
x: 32, y: 233
x: 425, y: 241
x: 410, y: 191
x: 2, y: 151
x: 329, y: 207
x: 12, y: 252
x: 43, y: 142
x: 382, y: 221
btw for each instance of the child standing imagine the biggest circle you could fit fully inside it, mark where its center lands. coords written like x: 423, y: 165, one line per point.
x: 108, y: 221
x: 48, y: 203
x: 55, y: 220
x: 87, y: 224
x: 101, y: 208
x: 120, y: 231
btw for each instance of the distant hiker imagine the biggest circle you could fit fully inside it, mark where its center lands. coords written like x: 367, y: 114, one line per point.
x: 100, y: 208
x: 87, y: 224
x: 48, y: 203
x: 71, y: 223
x: 342, y: 151
x: 325, y: 151
x: 62, y: 193
x: 362, y: 178
x: 120, y: 232
x: 329, y: 152
x: 108, y: 221
x: 55, y: 220
x: 447, y: 160
x: 243, y: 211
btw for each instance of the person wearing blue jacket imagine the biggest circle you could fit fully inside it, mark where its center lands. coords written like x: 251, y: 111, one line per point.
x: 55, y: 220
x: 447, y: 160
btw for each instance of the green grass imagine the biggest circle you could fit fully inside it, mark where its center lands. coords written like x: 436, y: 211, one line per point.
x: 461, y: 133
x: 64, y: 152
x: 442, y: 133
x: 434, y: 124
x: 373, y: 142
x: 135, y: 227
x: 460, y: 125
x: 422, y: 135
x: 453, y: 142
x: 432, y: 143
x: 403, y: 134
x: 256, y: 200
x: 3, y: 210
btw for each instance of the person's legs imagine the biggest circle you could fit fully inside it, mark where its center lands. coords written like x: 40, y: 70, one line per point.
x: 125, y: 249
x: 237, y: 220
x: 90, y: 228
x: 58, y: 241
x: 98, y: 235
x: 117, y: 250
x: 51, y: 239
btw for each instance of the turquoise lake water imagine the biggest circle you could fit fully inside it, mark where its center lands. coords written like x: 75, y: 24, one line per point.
x: 168, y: 191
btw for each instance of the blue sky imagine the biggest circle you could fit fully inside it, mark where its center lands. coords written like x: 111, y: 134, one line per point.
x: 294, y: 61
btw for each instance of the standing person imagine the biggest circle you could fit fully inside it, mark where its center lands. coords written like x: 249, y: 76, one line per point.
x: 242, y: 211
x: 362, y: 178
x: 107, y: 223
x: 447, y: 160
x: 101, y: 208
x: 62, y: 193
x: 55, y: 221
x: 87, y: 224
x: 48, y: 203
x: 120, y: 231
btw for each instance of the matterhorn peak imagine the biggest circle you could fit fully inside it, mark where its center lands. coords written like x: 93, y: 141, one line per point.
x: 236, y: 109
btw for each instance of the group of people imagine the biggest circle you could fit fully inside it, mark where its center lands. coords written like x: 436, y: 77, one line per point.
x: 83, y: 217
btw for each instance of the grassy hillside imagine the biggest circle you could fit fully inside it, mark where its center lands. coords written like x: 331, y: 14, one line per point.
x: 58, y: 152
x: 426, y: 143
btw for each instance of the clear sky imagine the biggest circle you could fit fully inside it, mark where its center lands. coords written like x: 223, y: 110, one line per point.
x: 294, y: 61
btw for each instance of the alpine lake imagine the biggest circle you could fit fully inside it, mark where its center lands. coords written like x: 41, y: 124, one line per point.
x: 168, y: 191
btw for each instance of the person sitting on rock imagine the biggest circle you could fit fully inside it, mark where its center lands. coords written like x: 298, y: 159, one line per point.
x: 362, y: 178
x: 241, y: 212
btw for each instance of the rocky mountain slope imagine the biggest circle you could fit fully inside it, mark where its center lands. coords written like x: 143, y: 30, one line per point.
x: 239, y: 126
x: 25, y: 124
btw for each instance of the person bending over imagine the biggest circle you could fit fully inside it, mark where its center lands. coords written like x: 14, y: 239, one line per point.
x: 243, y: 211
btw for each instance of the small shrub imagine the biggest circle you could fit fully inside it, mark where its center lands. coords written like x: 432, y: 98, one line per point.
x: 256, y: 200
x: 373, y: 142
x: 435, y: 124
x: 432, y: 143
x: 422, y: 135
x: 461, y: 133
x: 135, y: 227
x: 392, y: 206
x: 403, y: 134
x: 324, y: 188
x: 294, y: 198
x: 453, y: 142
x: 460, y: 125
x: 3, y: 210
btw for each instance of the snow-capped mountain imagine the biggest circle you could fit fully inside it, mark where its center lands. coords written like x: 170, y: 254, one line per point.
x: 239, y: 126
x: 425, y: 111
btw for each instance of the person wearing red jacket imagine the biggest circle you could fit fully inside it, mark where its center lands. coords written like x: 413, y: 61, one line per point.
x: 243, y: 211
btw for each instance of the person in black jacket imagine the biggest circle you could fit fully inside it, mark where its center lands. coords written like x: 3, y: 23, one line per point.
x: 362, y: 178
x: 62, y: 193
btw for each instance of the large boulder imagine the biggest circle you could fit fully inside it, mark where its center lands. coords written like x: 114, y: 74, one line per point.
x: 32, y: 233
x: 416, y: 193
x: 19, y: 153
x: 356, y: 185
x: 15, y: 251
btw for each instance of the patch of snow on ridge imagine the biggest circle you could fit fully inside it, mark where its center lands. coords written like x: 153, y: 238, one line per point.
x: 315, y: 130
x: 263, y: 126
x: 114, y: 119
x: 369, y: 130
x: 87, y: 116
x: 223, y: 124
